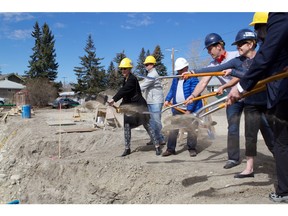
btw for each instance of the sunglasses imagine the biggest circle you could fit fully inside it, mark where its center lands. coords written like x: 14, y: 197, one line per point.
x: 241, y: 43
x: 124, y: 68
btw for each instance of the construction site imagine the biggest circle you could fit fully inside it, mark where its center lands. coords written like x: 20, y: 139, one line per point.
x: 72, y: 156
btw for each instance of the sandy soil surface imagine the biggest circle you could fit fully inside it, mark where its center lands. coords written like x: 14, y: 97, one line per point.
x: 91, y: 171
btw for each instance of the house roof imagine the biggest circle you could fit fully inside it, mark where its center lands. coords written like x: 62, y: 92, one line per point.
x: 7, y: 84
x: 214, y: 82
x: 4, y: 76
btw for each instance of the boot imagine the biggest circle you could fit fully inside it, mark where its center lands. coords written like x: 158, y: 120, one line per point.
x: 126, y: 152
x: 158, y: 150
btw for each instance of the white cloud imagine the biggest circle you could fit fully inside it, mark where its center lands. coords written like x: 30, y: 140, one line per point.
x: 16, y: 17
x: 137, y: 20
x: 19, y: 34
x: 59, y: 25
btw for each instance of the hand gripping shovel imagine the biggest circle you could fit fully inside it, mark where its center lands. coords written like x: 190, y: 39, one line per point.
x: 260, y: 86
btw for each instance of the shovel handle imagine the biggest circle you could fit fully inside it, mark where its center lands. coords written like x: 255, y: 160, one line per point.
x: 176, y: 108
x: 218, y: 73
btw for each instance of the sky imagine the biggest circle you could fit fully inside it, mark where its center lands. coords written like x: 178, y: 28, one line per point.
x: 112, y: 32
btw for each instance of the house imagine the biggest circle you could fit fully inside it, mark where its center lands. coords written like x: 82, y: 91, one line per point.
x: 10, y: 84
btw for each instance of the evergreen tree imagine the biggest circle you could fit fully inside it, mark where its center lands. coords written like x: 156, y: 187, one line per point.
x: 140, y: 68
x: 119, y: 77
x: 43, y: 60
x: 113, y: 77
x: 160, y: 67
x: 91, y: 77
x: 49, y: 65
x: 36, y: 57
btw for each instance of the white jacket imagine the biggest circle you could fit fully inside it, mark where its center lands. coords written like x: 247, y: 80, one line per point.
x: 152, y: 89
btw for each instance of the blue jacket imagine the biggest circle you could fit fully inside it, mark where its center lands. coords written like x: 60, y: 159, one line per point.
x: 271, y: 58
x: 188, y: 88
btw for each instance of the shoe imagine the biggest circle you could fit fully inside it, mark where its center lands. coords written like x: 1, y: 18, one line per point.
x: 160, y: 143
x: 239, y: 175
x: 149, y: 143
x: 192, y: 153
x: 158, y: 151
x: 277, y: 198
x: 230, y: 164
x: 126, y: 152
x: 168, y: 153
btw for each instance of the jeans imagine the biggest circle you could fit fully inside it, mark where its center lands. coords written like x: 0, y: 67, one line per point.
x: 191, y: 138
x: 155, y: 120
x: 255, y: 120
x: 233, y: 114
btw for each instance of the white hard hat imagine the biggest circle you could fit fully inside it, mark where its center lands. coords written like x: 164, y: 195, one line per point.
x: 181, y: 63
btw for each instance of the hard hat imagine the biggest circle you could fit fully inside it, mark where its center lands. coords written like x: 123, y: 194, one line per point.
x: 126, y: 63
x: 180, y: 63
x: 259, y: 18
x: 150, y: 59
x: 244, y: 34
x: 212, y: 38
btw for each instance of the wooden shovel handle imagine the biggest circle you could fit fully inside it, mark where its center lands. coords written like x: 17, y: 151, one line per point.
x: 218, y: 73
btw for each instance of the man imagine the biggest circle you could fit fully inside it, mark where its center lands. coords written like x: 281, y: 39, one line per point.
x: 179, y: 91
x: 216, y: 48
x: 153, y: 92
x: 272, y: 58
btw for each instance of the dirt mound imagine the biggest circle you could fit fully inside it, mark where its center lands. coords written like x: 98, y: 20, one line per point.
x: 90, y: 169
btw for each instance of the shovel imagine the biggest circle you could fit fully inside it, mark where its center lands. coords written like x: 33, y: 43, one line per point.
x: 194, y: 99
x: 103, y: 99
x: 181, y: 76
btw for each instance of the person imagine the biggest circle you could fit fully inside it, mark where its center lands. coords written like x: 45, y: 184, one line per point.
x: 254, y: 105
x: 216, y: 48
x: 272, y: 58
x: 131, y: 95
x: 179, y: 91
x: 153, y: 93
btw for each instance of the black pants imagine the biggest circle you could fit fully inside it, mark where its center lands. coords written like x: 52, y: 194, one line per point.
x: 255, y: 120
x: 278, y: 117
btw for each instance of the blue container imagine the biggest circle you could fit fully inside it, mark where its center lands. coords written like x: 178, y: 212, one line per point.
x: 26, y: 111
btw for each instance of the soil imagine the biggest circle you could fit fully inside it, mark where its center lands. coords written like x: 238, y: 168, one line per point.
x: 40, y: 166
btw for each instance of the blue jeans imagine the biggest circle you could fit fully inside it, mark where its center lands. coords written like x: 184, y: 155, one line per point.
x: 155, y: 120
x: 191, y: 138
x: 233, y: 113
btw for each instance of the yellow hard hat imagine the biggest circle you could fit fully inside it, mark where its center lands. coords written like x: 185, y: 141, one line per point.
x: 150, y: 59
x: 126, y: 63
x: 259, y: 18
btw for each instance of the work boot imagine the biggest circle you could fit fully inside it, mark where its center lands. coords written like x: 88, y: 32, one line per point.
x: 158, y: 150
x: 126, y: 152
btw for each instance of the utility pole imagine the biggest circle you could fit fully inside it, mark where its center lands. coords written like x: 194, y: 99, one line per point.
x: 64, y: 81
x: 172, y: 58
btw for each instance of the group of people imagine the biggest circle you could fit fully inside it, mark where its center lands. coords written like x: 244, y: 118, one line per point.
x: 264, y: 111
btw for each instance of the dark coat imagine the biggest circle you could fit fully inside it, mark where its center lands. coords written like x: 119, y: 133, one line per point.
x: 132, y: 98
x: 271, y: 58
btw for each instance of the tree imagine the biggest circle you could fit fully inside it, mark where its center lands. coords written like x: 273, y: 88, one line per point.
x: 91, y: 77
x: 160, y: 67
x: 194, y: 58
x: 119, y: 77
x: 50, y: 65
x: 140, y: 68
x: 113, y: 77
x: 43, y: 60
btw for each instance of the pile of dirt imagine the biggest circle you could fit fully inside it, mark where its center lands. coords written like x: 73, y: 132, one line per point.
x: 40, y: 165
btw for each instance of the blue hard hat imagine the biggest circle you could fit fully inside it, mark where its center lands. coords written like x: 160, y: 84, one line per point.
x: 244, y: 34
x: 212, y: 38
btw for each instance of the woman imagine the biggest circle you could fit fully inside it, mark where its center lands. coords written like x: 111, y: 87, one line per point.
x: 131, y: 96
x: 254, y: 105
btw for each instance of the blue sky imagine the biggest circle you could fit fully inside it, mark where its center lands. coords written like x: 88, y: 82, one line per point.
x: 116, y: 26
x: 112, y: 32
